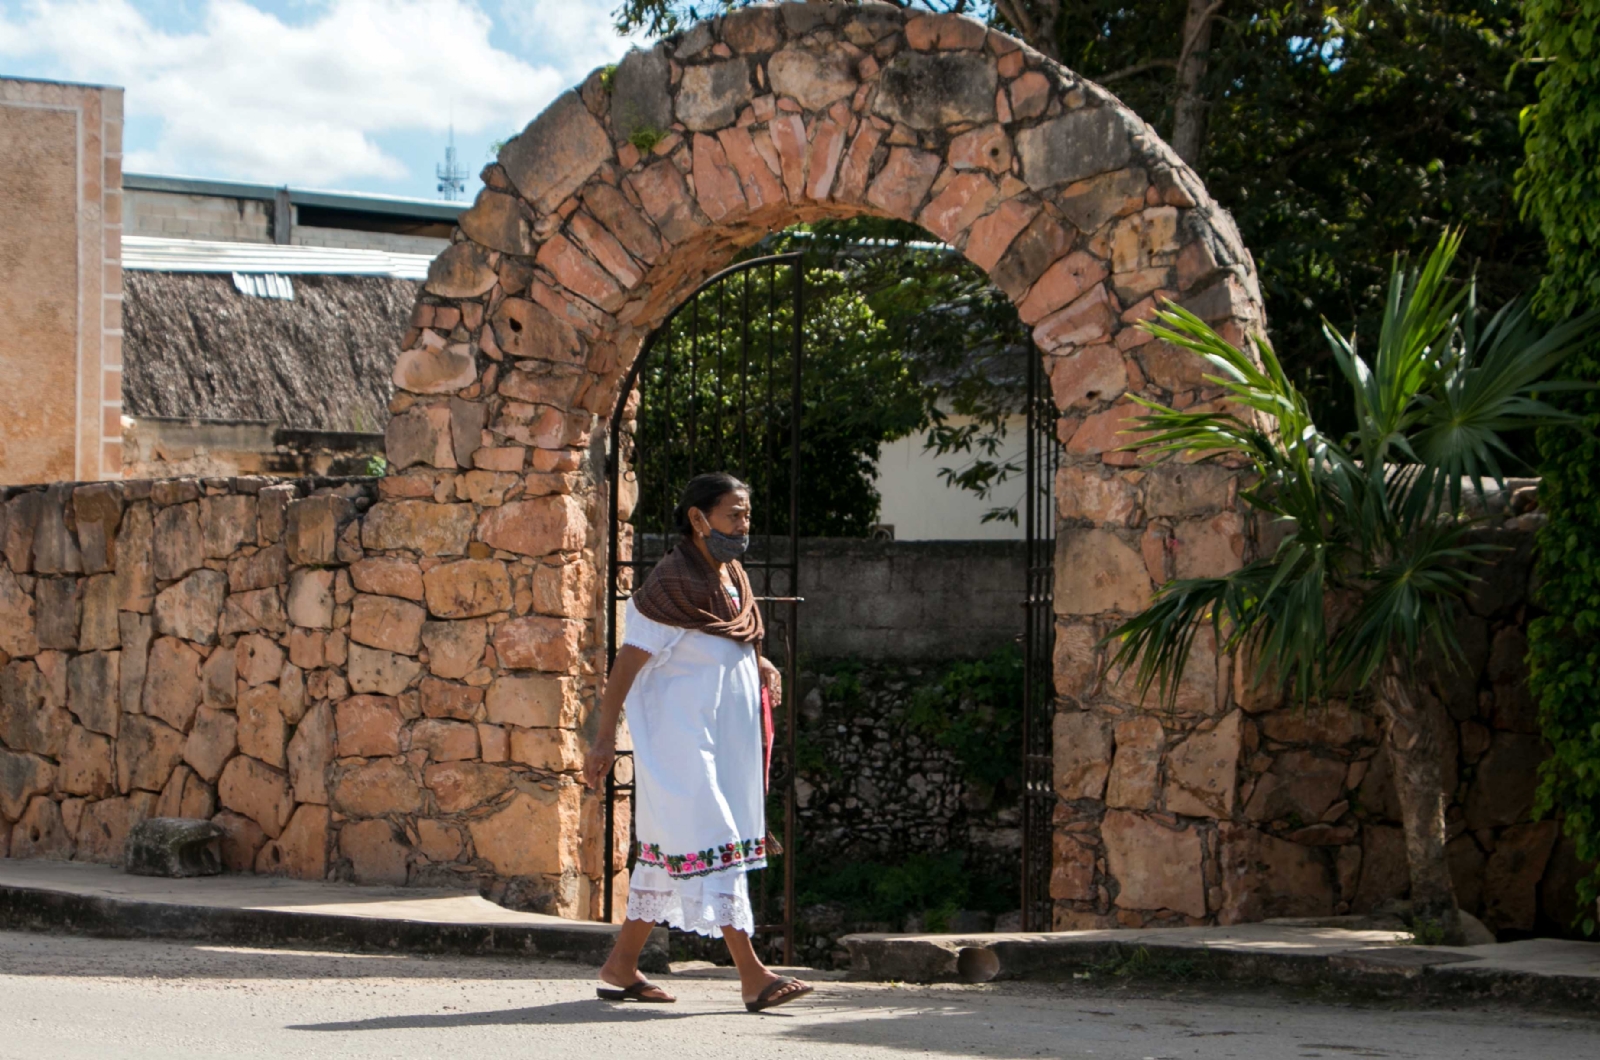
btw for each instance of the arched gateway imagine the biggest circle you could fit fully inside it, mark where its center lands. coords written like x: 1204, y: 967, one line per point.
x: 626, y: 193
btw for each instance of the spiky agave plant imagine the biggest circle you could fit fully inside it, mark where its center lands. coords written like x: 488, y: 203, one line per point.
x: 1373, y: 554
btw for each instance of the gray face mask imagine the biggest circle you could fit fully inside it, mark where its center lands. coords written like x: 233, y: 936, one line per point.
x: 724, y: 547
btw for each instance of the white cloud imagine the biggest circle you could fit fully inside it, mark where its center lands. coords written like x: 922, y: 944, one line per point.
x: 577, y: 35
x: 243, y: 93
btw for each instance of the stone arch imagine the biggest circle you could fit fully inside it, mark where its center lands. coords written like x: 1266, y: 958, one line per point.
x: 618, y: 199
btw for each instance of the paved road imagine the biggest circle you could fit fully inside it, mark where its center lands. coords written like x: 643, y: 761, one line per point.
x: 70, y: 997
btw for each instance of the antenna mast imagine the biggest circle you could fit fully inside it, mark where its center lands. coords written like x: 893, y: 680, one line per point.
x: 452, y: 176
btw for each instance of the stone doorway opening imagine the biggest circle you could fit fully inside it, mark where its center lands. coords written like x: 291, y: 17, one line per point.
x: 629, y: 191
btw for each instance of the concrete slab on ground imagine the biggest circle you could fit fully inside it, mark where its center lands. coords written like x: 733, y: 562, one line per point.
x: 1554, y: 972
x: 102, y: 900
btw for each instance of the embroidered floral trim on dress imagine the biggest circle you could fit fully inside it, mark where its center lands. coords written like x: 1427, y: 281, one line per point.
x: 743, y: 853
x: 708, y: 917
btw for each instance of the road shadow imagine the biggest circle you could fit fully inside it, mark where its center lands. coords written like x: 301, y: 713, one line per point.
x: 562, y: 1013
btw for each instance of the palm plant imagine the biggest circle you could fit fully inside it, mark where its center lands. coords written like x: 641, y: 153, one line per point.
x: 1373, y: 549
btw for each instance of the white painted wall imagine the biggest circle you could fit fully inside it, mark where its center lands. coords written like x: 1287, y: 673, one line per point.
x: 920, y: 507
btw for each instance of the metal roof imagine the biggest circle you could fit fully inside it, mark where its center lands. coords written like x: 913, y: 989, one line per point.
x: 159, y: 254
x: 354, y: 201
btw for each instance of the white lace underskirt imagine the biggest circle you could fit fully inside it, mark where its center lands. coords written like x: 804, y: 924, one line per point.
x: 702, y: 904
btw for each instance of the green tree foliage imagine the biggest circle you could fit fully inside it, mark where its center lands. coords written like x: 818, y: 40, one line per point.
x: 1560, y: 187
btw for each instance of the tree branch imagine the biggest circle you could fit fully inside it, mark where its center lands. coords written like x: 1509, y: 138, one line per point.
x: 1137, y: 68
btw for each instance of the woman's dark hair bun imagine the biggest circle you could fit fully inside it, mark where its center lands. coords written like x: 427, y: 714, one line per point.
x: 704, y: 492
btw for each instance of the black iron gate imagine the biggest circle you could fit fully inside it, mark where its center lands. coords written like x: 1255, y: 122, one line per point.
x: 718, y: 387
x: 1039, y: 512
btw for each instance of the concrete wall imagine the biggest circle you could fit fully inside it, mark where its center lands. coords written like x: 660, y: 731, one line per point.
x: 206, y: 217
x: 394, y: 242
x: 60, y: 281
x: 909, y: 599
x: 920, y: 507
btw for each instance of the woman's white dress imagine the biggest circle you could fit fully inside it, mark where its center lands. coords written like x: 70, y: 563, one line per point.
x: 695, y: 716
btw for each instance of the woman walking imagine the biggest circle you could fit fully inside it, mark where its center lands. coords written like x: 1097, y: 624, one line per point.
x: 690, y: 674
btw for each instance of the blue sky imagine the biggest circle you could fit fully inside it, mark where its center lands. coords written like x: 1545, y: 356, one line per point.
x: 349, y: 94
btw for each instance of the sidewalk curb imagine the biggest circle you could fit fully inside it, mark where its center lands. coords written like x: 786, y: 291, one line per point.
x: 48, y: 910
x: 1414, y: 973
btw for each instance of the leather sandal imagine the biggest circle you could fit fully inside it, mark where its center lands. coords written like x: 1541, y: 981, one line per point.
x: 765, y: 999
x: 635, y: 992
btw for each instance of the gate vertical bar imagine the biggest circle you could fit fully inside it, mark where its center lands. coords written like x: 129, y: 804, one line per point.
x: 1038, y: 792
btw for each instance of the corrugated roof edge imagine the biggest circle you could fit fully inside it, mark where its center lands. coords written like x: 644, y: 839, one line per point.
x: 356, y: 201
x: 162, y: 254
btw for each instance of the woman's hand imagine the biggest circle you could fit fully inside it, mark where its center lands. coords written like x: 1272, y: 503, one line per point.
x: 597, y: 763
x: 772, y: 679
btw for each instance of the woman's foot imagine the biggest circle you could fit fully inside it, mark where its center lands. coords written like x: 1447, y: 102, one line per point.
x: 629, y: 979
x: 769, y: 990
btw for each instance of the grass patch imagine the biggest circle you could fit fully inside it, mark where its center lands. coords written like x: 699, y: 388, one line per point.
x: 645, y: 139
x: 1140, y: 962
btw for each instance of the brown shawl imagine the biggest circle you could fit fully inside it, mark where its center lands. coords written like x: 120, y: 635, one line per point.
x: 684, y: 590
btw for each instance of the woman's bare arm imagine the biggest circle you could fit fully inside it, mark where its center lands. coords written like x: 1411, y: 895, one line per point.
x: 630, y: 660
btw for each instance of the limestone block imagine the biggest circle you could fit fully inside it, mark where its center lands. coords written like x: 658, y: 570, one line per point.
x: 368, y: 726
x: 103, y: 832
x: 556, y: 153
x: 260, y: 609
x: 228, y: 522
x: 87, y: 765
x: 179, y: 544
x: 312, y: 526
x: 199, y: 800
x: 553, y: 750
x: 387, y: 576
x: 1511, y: 878
x: 262, y: 733
x: 22, y: 776
x: 562, y: 589
x: 376, y: 855
x: 494, y: 743
x: 135, y: 634
x: 190, y: 609
x: 665, y: 198
x: 930, y: 91
x: 147, y: 751
x: 1208, y: 548
x: 310, y: 751
x: 1089, y: 204
x: 532, y: 834
x: 1202, y: 771
x: 1155, y: 867
x: 579, y: 274
x: 499, y: 222
x: 1082, y: 754
x: 1384, y: 873
x: 455, y: 649
x: 387, y: 622
x: 528, y: 331
x: 170, y: 803
x: 212, y: 741
x: 1332, y: 724
x: 97, y: 509
x: 173, y: 685
x: 371, y: 788
x: 17, y: 529
x: 991, y: 236
x: 311, y: 598
x: 469, y: 588
x: 261, y: 570
x: 29, y: 719
x: 18, y: 635
x: 444, y: 741
x: 1133, y: 783
x: 59, y: 612
x: 419, y: 526
x: 242, y: 838
x: 257, y: 660
x: 173, y: 847
x: 301, y: 852
x: 1183, y: 490
x: 442, y: 699
x: 381, y: 672
x: 55, y: 550
x: 421, y: 435
x: 1041, y: 244
x: 462, y: 270
x: 813, y: 76
x: 1077, y: 145
x: 1090, y: 320
x: 94, y: 690
x: 903, y: 182
x: 1300, y: 783
x: 986, y: 147
x: 135, y: 560
x: 536, y: 527
x: 710, y: 96
x: 962, y: 202
x: 257, y: 791
x: 1263, y: 876
x: 541, y: 701
x: 641, y: 98
x: 1096, y: 571
x: 40, y: 832
x: 538, y: 642
x: 439, y: 842
x: 1504, y: 783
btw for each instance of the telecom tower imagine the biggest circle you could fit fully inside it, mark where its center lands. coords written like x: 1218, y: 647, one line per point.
x: 452, y: 177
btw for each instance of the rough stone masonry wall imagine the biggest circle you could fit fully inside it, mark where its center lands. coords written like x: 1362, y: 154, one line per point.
x: 255, y: 652
x: 609, y: 208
